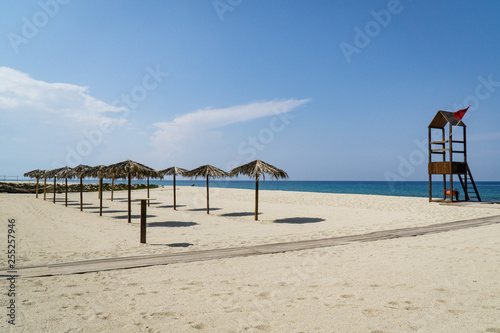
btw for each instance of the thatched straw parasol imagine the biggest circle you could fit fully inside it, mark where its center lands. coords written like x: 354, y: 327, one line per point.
x: 112, y: 186
x: 37, y: 173
x: 155, y: 175
x: 130, y: 169
x: 172, y: 171
x: 254, y: 170
x: 100, y: 172
x: 206, y: 171
x: 44, y: 174
x: 55, y: 174
x: 51, y: 174
x: 78, y: 172
x: 33, y: 173
x: 65, y: 172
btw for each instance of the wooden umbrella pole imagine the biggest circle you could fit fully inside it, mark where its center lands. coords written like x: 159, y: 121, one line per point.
x: 129, y: 199
x: 99, y: 191
x: 44, y: 188
x: 208, y: 209
x: 81, y: 194
x: 37, y: 180
x: 257, y: 198
x: 100, y: 196
x: 175, y: 203
x: 55, y: 178
x: 66, y: 192
x: 112, y: 187
x: 148, y: 190
x: 256, y: 169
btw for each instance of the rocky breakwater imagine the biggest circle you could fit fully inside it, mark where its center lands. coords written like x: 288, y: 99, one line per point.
x: 60, y: 188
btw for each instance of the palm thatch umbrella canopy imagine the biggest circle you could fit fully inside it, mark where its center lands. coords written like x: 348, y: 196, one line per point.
x: 78, y: 171
x: 44, y: 174
x: 54, y: 174
x: 130, y: 169
x: 254, y: 170
x: 65, y: 172
x: 206, y: 171
x: 100, y: 172
x: 37, y: 173
x: 172, y: 171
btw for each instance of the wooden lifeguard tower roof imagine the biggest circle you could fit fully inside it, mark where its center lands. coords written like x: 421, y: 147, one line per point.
x: 442, y: 118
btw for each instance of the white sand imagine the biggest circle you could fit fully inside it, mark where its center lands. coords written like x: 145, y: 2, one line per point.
x: 435, y: 283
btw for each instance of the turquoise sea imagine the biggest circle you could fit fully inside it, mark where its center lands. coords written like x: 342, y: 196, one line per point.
x: 489, y: 191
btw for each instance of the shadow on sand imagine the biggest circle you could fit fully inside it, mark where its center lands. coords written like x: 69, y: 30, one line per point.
x: 96, y: 207
x: 78, y: 204
x: 124, y: 217
x: 63, y: 200
x: 171, y: 206
x: 174, y: 245
x: 111, y: 211
x: 172, y: 224
x: 203, y: 209
x: 239, y: 214
x: 299, y: 220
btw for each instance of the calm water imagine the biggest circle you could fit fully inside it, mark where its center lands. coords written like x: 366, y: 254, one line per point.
x: 489, y: 191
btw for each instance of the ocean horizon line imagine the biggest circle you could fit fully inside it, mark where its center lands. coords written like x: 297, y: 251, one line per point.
x: 488, y: 190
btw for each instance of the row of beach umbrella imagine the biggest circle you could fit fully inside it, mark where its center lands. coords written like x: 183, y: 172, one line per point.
x: 133, y: 170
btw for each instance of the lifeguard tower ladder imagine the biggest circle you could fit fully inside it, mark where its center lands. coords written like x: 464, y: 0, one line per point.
x: 453, y: 160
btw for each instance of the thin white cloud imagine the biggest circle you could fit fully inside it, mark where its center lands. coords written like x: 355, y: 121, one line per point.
x: 214, y: 118
x: 22, y: 96
x: 61, y: 120
x: 189, y: 128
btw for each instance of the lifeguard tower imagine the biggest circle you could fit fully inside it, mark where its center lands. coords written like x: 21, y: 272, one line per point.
x: 452, y: 156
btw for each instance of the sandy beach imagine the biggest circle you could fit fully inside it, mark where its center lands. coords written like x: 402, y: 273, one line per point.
x: 445, y: 282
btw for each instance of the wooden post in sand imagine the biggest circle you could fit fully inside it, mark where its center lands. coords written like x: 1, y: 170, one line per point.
x: 37, y: 180
x: 148, y: 191
x: 143, y: 221
x: 129, y: 203
x: 100, y: 196
x: 55, y: 178
x: 100, y: 187
x: 66, y: 193
x: 112, y: 187
x: 256, y: 198
x: 44, y: 188
x: 143, y: 218
x: 208, y: 209
x: 175, y: 199
x: 81, y: 194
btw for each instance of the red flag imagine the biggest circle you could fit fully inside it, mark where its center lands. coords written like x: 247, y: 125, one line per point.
x: 460, y: 113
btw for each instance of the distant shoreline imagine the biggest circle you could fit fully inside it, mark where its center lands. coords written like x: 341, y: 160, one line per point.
x: 489, y: 190
x: 25, y: 187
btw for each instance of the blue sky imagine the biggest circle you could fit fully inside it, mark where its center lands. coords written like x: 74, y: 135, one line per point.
x: 326, y: 90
